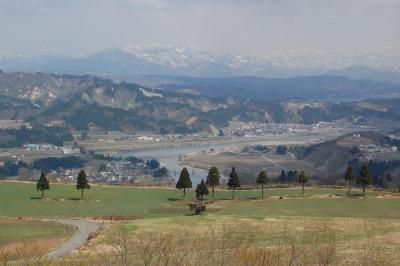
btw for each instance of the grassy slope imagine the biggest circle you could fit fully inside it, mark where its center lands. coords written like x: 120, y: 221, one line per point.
x: 352, y: 224
x: 27, y: 238
x: 18, y: 199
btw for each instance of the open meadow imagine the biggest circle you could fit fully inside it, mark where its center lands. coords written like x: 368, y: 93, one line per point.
x: 154, y: 226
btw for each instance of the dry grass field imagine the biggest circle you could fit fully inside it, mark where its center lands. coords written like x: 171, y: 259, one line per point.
x: 24, y: 239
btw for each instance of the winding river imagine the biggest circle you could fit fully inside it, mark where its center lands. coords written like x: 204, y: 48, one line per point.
x: 170, y: 156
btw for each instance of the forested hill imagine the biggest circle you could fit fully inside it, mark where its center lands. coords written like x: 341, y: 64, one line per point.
x: 79, y: 102
x: 319, y: 88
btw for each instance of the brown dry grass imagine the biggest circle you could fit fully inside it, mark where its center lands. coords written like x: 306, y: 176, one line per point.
x: 237, y: 241
x: 24, y: 239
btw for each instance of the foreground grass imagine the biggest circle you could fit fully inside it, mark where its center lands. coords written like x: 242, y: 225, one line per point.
x: 220, y: 240
x: 30, y: 238
x: 62, y: 201
x: 283, y: 229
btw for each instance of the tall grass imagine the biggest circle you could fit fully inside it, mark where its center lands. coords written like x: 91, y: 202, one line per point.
x: 226, y: 244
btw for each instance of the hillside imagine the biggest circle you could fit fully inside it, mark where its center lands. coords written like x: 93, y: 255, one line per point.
x: 84, y: 101
x: 81, y: 102
x: 332, y: 157
x: 320, y: 88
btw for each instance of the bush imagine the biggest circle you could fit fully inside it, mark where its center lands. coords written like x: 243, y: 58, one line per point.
x: 281, y: 149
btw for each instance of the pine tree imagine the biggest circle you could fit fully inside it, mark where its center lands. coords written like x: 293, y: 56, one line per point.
x: 201, y: 190
x: 398, y: 182
x: 387, y: 180
x: 233, y: 181
x: 349, y: 177
x: 282, y: 178
x: 213, y: 178
x: 184, y: 181
x: 302, y: 179
x: 262, y: 179
x: 43, y: 184
x: 364, y: 177
x: 82, y: 182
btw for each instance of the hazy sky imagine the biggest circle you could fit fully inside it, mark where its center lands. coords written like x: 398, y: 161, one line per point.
x: 84, y: 26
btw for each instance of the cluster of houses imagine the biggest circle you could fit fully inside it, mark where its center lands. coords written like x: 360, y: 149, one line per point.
x: 158, y: 138
x: 373, y: 148
x: 266, y: 129
x: 121, y: 172
x: 50, y: 147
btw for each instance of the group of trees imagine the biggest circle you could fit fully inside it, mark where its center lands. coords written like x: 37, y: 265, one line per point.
x: 288, y: 177
x: 82, y: 183
x: 213, y: 180
x: 364, y: 177
x: 11, y: 168
x: 37, y: 134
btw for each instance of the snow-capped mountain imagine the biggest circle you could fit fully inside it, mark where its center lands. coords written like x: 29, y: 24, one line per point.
x: 382, y: 65
x: 175, y: 57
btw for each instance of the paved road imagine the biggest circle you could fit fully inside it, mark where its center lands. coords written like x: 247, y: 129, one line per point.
x: 79, y: 238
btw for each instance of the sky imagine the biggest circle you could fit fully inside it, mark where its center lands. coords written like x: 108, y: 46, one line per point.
x: 76, y: 27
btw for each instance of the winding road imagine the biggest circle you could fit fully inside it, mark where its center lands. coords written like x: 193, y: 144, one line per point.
x: 85, y: 228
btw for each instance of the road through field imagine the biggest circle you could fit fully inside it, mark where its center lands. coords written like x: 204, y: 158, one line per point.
x: 85, y: 228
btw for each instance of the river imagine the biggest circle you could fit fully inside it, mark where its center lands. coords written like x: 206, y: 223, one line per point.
x: 170, y: 156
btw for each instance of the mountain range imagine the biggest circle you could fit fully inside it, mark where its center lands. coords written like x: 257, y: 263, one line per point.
x: 188, y: 61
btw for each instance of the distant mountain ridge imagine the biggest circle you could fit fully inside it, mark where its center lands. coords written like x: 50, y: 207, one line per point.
x: 188, y: 61
x: 320, y: 88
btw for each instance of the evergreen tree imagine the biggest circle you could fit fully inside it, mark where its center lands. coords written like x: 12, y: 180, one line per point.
x: 184, y: 181
x: 233, y: 181
x: 43, y: 184
x: 82, y: 182
x: 364, y: 177
x: 398, y: 183
x: 387, y: 180
x: 291, y: 176
x: 201, y: 190
x: 262, y: 179
x: 349, y: 177
x: 282, y: 178
x: 213, y: 179
x: 302, y: 179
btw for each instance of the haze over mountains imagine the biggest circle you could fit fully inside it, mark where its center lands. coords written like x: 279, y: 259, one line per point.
x: 383, y: 65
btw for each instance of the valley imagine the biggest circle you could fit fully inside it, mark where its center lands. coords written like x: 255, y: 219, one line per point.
x: 201, y: 133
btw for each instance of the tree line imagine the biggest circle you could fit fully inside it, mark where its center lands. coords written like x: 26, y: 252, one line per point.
x: 43, y: 164
x: 363, y: 178
x: 213, y: 180
x: 37, y: 134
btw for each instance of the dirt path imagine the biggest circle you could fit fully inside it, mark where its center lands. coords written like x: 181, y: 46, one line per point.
x: 78, y: 239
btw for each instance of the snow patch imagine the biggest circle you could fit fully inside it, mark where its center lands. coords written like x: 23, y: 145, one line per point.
x: 149, y: 93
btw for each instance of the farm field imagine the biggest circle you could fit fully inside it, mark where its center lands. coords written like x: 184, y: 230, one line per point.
x: 248, y: 163
x: 323, y: 228
x: 23, y: 238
